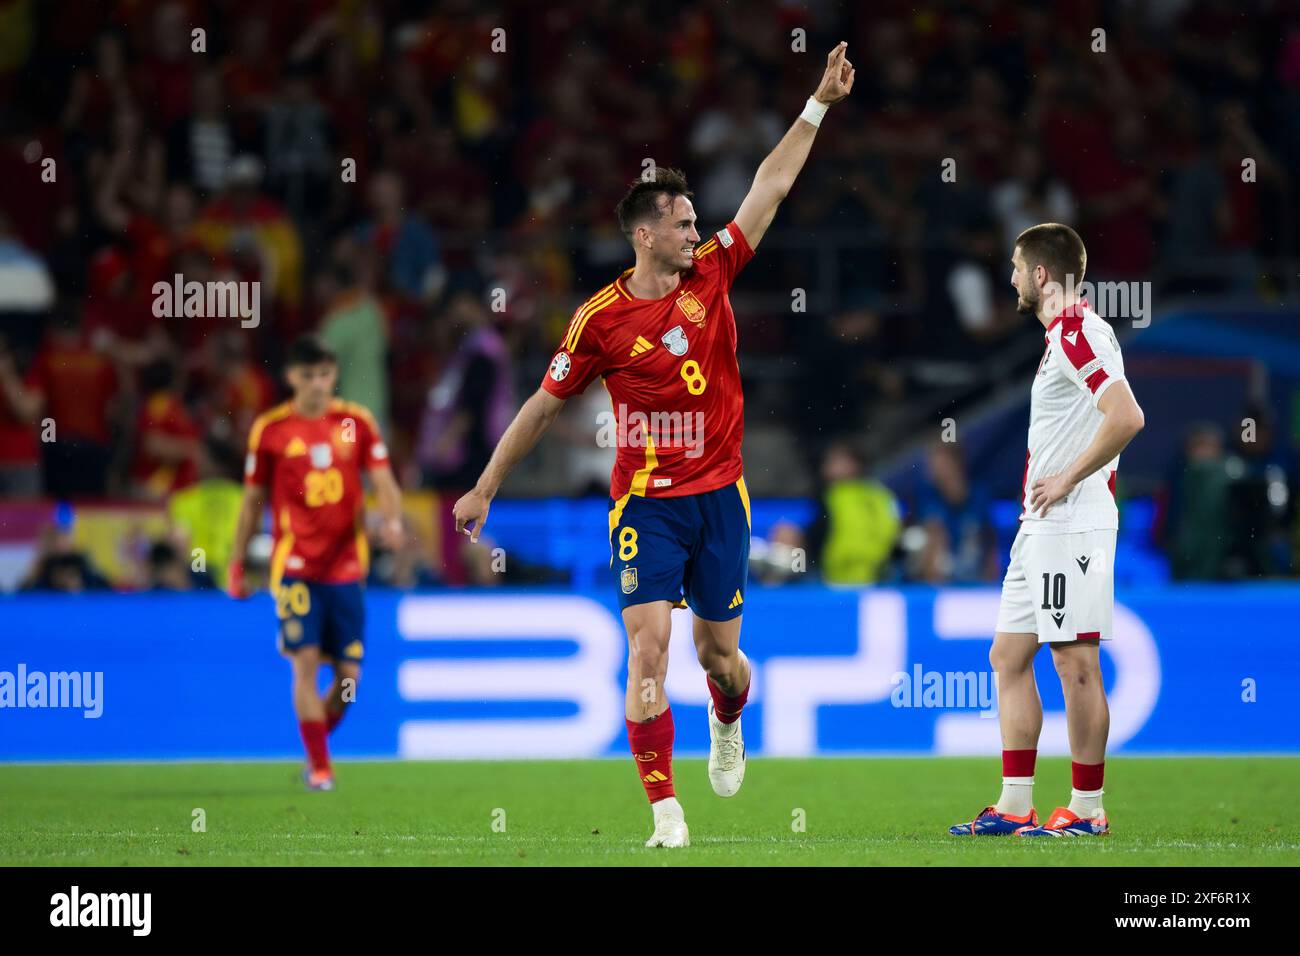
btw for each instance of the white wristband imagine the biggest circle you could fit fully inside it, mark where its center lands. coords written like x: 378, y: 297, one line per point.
x: 814, y: 111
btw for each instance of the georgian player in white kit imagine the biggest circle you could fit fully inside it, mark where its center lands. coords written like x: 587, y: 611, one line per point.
x: 1060, y: 587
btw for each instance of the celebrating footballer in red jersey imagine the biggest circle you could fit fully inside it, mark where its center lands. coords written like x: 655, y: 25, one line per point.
x: 311, y: 452
x: 662, y: 337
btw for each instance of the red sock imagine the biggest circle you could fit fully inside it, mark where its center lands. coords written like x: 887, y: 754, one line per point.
x: 652, y: 746
x: 1087, y: 776
x: 727, y: 709
x: 1018, y: 763
x: 313, y: 738
x: 332, y: 719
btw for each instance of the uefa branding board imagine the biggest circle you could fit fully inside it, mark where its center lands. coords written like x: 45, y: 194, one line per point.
x: 541, y: 674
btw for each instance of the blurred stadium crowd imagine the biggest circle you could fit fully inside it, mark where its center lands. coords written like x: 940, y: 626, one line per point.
x: 481, y: 215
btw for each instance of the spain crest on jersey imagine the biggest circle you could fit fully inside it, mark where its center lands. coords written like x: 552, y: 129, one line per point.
x: 628, y: 580
x: 691, y: 307
x: 675, y: 340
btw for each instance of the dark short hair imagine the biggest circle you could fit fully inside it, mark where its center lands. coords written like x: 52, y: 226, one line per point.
x: 642, y: 199
x: 1055, y: 247
x: 309, y: 350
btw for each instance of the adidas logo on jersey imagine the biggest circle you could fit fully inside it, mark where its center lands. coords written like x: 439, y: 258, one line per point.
x: 640, y: 347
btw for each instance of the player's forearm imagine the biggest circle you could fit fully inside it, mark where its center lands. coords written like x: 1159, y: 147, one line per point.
x: 534, y: 418
x: 250, y: 513
x: 388, y: 496
x: 1116, y: 431
x: 25, y: 403
x: 777, y: 173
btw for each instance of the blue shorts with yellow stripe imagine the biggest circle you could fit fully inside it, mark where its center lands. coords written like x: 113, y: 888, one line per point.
x: 695, y: 547
x: 329, y: 616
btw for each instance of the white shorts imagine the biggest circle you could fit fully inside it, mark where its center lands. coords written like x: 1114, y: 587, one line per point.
x: 1060, y: 586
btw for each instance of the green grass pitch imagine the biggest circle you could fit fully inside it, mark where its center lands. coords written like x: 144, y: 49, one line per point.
x: 1164, y: 811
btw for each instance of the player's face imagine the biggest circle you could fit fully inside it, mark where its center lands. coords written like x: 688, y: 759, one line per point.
x: 1022, y: 281
x: 673, y: 234
x: 313, y: 385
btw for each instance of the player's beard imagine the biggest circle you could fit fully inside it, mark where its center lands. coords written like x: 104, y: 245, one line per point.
x: 1027, y: 304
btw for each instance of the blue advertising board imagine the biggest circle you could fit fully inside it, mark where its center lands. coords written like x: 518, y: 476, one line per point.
x: 518, y: 674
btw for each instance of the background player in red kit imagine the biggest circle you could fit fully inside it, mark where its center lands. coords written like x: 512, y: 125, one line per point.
x: 662, y: 337
x: 310, y: 452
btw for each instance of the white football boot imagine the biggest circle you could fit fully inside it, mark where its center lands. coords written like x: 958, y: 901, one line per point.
x: 670, y: 824
x: 726, y: 755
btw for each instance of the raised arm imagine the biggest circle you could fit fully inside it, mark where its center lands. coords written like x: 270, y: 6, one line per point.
x: 777, y: 173
x: 532, y: 421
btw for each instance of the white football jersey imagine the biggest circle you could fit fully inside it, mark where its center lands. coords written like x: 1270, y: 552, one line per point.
x: 1081, y: 361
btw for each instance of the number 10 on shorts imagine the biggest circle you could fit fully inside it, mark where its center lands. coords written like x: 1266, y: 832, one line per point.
x: 1053, y: 591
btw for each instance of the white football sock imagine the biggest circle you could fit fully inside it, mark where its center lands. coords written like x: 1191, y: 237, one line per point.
x: 1017, y: 796
x: 1085, y: 803
x: 666, y: 805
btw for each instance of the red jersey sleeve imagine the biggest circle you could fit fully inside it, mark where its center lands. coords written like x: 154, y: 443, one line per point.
x: 728, y: 251
x: 580, y: 357
x: 370, y: 443
x: 1093, y: 361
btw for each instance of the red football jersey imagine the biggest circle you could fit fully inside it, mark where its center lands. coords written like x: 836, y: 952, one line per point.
x: 670, y: 368
x: 313, y: 468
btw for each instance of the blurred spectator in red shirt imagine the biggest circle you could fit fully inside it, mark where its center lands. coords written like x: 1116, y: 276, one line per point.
x: 20, y: 461
x: 233, y: 388
x: 167, y: 444
x: 255, y: 233
x: 77, y: 386
x: 167, y: 73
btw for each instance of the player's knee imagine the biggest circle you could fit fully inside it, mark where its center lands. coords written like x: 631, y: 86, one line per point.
x: 717, y: 661
x: 306, y: 663
x: 1076, y: 671
x: 1007, y: 659
x: 648, y: 650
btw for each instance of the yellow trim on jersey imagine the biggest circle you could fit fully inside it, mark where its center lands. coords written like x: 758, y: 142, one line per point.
x: 280, y: 557
x: 363, y: 549
x: 705, y: 249
x: 744, y: 497
x: 590, y: 308
x: 577, y: 313
x: 271, y: 415
x: 640, y: 481
x: 357, y: 409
